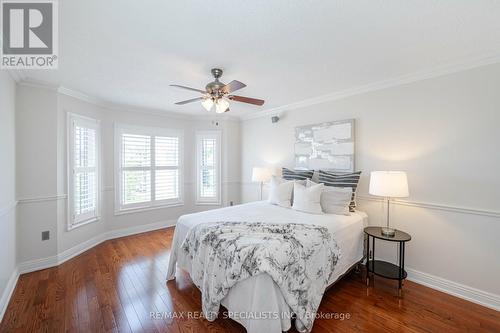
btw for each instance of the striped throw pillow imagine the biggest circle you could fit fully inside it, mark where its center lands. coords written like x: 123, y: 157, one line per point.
x: 296, y: 174
x: 338, y: 179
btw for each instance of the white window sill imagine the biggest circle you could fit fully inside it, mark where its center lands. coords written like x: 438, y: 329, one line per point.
x: 208, y: 204
x: 145, y: 209
x: 81, y: 224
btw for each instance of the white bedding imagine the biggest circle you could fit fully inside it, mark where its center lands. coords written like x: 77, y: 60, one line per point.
x: 254, y: 298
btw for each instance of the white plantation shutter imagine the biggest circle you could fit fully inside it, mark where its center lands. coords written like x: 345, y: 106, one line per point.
x: 83, y: 168
x: 148, y: 168
x: 136, y: 169
x: 208, y: 167
x: 167, y: 168
x: 208, y: 184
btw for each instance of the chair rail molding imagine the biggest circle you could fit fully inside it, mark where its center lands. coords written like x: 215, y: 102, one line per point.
x: 29, y: 200
x: 435, y: 206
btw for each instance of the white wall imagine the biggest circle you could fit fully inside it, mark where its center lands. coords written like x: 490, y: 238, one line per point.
x: 7, y: 187
x: 47, y: 107
x: 444, y: 133
x: 36, y: 176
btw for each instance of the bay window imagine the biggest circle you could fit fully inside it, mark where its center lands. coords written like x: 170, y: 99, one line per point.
x: 149, y: 168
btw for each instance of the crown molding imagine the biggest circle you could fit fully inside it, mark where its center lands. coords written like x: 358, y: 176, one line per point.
x: 383, y: 84
x: 164, y: 113
x: 81, y: 96
x: 27, y: 82
x: 437, y: 71
x: 130, y: 108
x: 118, y: 107
x: 16, y: 75
x: 105, y: 104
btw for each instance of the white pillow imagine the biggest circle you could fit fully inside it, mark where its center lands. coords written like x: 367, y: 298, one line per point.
x: 280, y: 192
x: 301, y: 182
x: 334, y: 200
x: 307, y: 199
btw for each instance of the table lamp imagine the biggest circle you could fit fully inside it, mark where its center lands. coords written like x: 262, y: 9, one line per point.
x: 261, y: 175
x: 388, y: 184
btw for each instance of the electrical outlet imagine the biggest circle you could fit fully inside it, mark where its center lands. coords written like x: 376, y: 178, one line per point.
x: 45, y: 235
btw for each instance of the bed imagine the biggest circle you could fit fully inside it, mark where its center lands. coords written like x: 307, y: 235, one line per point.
x: 251, y: 300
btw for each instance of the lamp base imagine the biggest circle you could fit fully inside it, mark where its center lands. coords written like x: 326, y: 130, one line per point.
x: 388, y: 232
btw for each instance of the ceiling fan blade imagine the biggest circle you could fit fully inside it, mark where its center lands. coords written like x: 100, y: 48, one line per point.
x: 188, y: 88
x: 190, y: 100
x: 248, y: 100
x: 233, y: 86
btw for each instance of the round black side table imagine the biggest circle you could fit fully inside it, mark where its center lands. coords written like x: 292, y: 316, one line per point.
x: 384, y: 268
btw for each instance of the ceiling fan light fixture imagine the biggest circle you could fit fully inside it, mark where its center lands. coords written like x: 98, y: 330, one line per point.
x: 221, y: 105
x: 219, y: 94
x: 207, y: 103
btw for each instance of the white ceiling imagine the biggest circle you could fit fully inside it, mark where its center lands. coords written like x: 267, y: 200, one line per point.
x: 128, y: 52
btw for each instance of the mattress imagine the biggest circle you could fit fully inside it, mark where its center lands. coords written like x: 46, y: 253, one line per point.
x: 257, y: 302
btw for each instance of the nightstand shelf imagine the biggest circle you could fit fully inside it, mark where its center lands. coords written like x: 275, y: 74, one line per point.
x: 386, y: 269
x: 383, y: 268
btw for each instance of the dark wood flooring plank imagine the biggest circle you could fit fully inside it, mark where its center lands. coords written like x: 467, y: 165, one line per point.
x: 115, y: 286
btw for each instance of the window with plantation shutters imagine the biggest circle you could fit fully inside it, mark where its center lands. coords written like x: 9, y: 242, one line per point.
x: 208, y: 185
x: 135, y: 169
x: 167, y: 167
x: 83, y: 170
x: 148, y: 168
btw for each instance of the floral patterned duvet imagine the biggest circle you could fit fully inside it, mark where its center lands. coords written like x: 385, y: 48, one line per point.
x: 300, y: 258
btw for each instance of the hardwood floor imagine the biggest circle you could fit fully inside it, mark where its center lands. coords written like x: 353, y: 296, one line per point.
x: 116, y: 285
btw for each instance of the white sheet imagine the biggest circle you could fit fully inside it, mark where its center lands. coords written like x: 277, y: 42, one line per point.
x: 259, y: 296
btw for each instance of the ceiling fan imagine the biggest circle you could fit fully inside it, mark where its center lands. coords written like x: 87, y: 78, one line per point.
x: 219, y: 94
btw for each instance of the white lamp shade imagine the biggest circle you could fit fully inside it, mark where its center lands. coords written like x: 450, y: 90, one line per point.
x: 391, y: 184
x: 261, y: 175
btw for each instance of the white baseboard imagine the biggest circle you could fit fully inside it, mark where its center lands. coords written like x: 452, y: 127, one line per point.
x: 111, y: 234
x: 453, y: 288
x: 7, y: 292
x: 43, y: 263
x: 80, y: 248
x: 38, y: 264
x: 456, y: 289
x: 139, y: 229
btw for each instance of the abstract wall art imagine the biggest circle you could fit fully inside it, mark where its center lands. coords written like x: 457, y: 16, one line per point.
x: 327, y: 146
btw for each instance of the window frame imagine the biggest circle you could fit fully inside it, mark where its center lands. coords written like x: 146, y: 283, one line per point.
x: 72, y: 120
x: 199, y: 136
x: 152, y: 132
